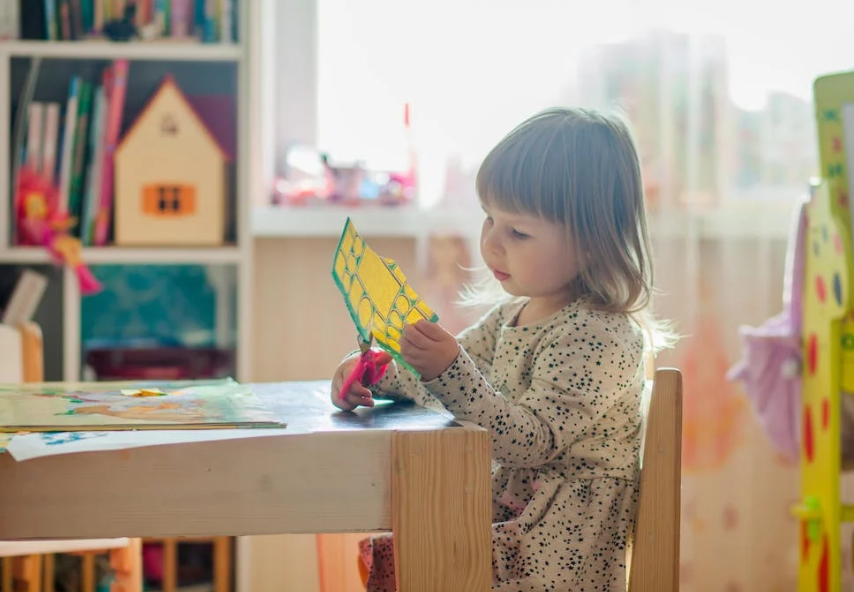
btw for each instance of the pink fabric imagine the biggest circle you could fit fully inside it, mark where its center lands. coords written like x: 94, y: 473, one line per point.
x: 377, y: 556
x: 770, y: 369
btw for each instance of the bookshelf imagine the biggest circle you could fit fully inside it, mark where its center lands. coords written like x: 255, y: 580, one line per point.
x: 238, y: 69
x: 230, y: 68
x: 180, y: 51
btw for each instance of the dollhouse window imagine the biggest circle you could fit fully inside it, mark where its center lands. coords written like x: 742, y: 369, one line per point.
x: 169, y: 200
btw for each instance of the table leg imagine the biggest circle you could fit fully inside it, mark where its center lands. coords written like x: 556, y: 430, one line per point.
x: 441, y: 510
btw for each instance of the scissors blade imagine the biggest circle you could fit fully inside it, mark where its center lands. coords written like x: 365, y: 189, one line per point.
x: 365, y: 344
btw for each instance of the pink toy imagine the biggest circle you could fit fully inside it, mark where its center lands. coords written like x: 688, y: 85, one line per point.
x: 41, y: 223
x: 770, y: 370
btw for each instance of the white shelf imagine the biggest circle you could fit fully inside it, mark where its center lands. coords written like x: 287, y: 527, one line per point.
x: 380, y: 221
x: 731, y: 220
x: 134, y: 50
x: 120, y: 255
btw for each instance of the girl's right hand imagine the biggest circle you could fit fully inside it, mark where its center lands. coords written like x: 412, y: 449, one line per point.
x: 356, y: 395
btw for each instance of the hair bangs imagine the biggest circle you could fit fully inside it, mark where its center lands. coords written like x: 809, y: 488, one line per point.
x: 523, y: 174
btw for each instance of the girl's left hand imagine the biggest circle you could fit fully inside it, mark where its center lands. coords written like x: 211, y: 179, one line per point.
x: 428, y: 348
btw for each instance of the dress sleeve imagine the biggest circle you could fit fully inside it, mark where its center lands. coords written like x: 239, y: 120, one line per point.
x: 479, y: 340
x: 580, y: 372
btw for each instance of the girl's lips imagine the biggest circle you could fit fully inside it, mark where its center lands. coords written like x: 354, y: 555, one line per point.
x: 500, y: 275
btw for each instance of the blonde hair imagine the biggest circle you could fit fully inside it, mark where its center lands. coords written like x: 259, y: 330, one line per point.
x: 579, y: 168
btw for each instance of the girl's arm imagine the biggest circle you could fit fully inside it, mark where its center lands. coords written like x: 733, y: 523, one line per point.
x: 575, y: 379
x: 478, y: 340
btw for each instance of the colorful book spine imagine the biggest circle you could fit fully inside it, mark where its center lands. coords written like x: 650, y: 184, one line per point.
x: 92, y: 201
x: 66, y: 159
x: 35, y: 137
x: 79, y: 153
x: 115, y: 108
x: 181, y: 13
x: 51, y: 20
x: 51, y: 141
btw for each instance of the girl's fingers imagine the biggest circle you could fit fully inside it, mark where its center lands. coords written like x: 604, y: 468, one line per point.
x: 416, y: 338
x: 359, y: 395
x: 430, y: 330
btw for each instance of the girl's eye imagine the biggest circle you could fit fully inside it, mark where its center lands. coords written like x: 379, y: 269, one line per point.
x: 520, y: 235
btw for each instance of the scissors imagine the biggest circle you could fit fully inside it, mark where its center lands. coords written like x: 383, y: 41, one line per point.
x: 368, y: 370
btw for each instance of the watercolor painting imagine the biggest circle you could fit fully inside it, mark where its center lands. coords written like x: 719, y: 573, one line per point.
x: 58, y: 407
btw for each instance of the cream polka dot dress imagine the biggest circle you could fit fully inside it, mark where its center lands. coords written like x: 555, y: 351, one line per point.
x: 562, y: 400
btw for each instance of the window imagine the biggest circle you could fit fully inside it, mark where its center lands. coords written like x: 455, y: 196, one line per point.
x: 169, y: 200
x: 721, y: 112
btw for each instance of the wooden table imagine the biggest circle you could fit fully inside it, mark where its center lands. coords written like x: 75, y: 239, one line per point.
x: 398, y: 467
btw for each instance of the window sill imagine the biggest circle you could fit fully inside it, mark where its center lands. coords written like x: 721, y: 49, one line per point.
x: 734, y: 220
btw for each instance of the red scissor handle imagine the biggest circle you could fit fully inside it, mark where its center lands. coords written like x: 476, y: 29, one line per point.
x: 368, y: 370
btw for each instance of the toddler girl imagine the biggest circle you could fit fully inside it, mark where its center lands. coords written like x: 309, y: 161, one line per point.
x: 555, y: 370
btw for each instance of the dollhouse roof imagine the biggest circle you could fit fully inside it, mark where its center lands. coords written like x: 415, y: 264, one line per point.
x: 168, y: 82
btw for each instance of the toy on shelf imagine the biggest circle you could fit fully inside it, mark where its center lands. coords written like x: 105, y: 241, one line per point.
x: 171, y: 176
x: 312, y: 176
x: 124, y: 28
x: 41, y: 224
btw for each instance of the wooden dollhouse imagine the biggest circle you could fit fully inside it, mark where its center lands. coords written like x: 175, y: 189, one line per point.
x: 171, y: 176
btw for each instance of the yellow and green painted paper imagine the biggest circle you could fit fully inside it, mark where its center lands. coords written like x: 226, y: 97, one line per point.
x: 376, y: 292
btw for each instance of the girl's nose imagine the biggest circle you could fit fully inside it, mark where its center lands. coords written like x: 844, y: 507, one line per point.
x: 489, y: 239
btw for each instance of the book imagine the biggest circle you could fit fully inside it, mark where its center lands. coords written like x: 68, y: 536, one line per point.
x: 133, y: 405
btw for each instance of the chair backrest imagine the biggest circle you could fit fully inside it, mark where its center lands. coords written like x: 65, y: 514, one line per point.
x: 21, y: 353
x: 654, y: 559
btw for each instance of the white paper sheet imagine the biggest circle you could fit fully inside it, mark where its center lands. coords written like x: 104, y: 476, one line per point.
x: 38, y: 445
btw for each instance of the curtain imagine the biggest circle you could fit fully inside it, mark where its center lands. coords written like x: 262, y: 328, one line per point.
x: 724, y: 121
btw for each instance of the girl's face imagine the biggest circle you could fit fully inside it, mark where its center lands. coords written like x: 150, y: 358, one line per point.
x: 530, y: 256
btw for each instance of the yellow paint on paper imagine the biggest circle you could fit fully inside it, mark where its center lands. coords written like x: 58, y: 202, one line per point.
x: 376, y: 292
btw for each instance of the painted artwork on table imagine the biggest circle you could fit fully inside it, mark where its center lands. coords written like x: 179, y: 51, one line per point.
x: 153, y: 405
x: 376, y: 292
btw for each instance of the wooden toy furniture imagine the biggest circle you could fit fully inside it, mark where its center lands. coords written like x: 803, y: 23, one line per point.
x: 171, y: 176
x: 28, y: 565
x: 827, y: 342
x: 654, y: 564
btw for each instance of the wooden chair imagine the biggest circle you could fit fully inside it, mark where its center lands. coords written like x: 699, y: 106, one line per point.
x: 654, y: 560
x: 28, y: 565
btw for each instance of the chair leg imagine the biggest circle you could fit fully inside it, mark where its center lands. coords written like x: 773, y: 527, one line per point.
x: 7, y: 583
x: 27, y: 573
x: 127, y: 567
x: 222, y: 564
x: 48, y: 573
x: 88, y: 562
x: 170, y: 564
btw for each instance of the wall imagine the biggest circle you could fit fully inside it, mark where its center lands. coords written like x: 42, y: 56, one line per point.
x: 302, y: 330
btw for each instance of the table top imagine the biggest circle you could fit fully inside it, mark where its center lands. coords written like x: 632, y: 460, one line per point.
x: 306, y: 407
x: 327, y: 471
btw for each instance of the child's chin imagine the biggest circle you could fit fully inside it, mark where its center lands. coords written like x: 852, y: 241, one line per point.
x: 512, y: 290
